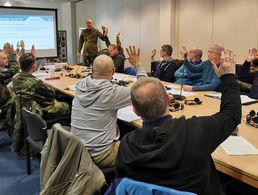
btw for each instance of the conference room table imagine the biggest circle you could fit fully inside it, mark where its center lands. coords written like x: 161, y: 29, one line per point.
x: 244, y: 167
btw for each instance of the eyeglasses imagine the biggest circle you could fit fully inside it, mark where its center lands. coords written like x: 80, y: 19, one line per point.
x: 213, y: 52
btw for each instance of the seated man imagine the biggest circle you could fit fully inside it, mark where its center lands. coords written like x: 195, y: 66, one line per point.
x: 8, y: 68
x: 248, y: 73
x: 184, y: 76
x: 176, y: 153
x: 32, y: 89
x: 95, y: 106
x: 210, y: 81
x: 165, y: 69
x: 119, y: 59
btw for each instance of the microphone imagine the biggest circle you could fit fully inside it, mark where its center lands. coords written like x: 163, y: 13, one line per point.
x: 181, y: 97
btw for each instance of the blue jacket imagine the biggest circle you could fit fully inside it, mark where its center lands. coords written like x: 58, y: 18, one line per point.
x: 210, y: 81
x: 164, y: 70
x: 126, y: 186
x: 185, y: 77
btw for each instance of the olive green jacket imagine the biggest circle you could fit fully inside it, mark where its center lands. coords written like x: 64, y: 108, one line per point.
x: 66, y: 166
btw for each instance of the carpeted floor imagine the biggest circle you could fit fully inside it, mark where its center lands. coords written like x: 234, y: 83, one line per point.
x: 13, y: 173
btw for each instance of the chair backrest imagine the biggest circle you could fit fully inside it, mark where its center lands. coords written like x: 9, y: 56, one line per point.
x: 34, y: 124
x: 130, y: 71
x: 126, y: 186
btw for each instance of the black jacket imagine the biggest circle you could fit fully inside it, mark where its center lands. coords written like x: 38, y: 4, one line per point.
x: 177, y: 154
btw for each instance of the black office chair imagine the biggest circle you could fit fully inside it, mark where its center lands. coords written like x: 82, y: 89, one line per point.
x: 35, y: 132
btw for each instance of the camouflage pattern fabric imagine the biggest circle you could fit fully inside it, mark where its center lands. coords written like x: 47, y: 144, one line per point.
x: 88, y: 39
x: 6, y: 74
x: 32, y: 89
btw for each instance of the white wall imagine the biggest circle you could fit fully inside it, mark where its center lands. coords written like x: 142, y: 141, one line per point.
x: 144, y: 23
x: 151, y: 23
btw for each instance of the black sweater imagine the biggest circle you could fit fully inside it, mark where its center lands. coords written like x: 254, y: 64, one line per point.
x: 177, y: 154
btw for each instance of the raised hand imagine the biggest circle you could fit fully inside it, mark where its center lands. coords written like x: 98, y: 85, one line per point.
x: 33, y: 51
x: 134, y: 58
x: 227, y: 64
x: 153, y: 53
x: 251, y: 55
x: 106, y: 31
x: 8, y: 48
x: 184, y: 52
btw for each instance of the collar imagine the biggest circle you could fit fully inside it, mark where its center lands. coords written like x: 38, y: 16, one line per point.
x: 155, y: 123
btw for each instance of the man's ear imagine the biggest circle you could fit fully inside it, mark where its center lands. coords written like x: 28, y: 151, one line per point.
x: 114, y: 70
x: 167, y: 100
x: 135, y: 111
x: 33, y: 67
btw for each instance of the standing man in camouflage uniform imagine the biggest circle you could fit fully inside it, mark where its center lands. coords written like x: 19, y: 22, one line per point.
x: 8, y: 68
x: 34, y: 91
x: 88, y: 38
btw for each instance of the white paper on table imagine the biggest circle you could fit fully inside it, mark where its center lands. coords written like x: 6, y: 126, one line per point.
x: 172, y: 86
x: 244, y: 98
x: 71, y: 87
x: 178, y: 92
x: 237, y: 145
x: 40, y: 74
x: 127, y: 114
x: 124, y: 77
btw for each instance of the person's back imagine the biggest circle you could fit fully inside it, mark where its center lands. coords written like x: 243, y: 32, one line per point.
x: 176, y: 153
x: 31, y: 89
x: 94, y: 111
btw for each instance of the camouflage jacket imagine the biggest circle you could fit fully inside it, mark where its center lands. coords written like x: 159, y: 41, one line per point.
x: 89, y: 38
x: 31, y: 89
x: 6, y: 73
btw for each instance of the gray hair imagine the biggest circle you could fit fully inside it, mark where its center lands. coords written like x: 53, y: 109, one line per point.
x: 219, y: 48
x: 149, y: 98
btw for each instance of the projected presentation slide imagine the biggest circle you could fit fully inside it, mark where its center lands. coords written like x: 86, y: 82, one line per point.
x: 37, y: 30
x: 35, y: 26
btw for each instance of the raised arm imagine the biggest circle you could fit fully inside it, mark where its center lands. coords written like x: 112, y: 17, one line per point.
x: 244, y: 74
x: 134, y: 59
x: 216, y: 128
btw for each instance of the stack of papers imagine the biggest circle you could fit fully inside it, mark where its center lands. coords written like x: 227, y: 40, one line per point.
x: 244, y: 98
x: 127, y: 114
x: 235, y: 145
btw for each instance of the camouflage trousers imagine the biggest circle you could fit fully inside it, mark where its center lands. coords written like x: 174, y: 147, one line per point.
x: 56, y: 110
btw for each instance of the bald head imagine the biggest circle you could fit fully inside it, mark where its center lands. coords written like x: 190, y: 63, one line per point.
x: 3, y: 59
x: 89, y: 24
x: 149, y: 98
x: 103, y: 67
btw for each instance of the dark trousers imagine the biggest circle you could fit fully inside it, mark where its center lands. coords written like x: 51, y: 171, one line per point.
x: 88, y: 59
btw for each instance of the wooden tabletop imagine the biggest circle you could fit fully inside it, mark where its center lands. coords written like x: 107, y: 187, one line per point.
x: 244, y: 168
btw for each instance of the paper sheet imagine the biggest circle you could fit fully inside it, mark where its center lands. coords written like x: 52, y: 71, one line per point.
x: 177, y: 92
x: 127, y: 114
x: 237, y: 145
x: 244, y: 98
x: 71, y: 87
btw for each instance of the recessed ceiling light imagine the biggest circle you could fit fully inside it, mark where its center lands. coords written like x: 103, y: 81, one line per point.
x: 7, y: 4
